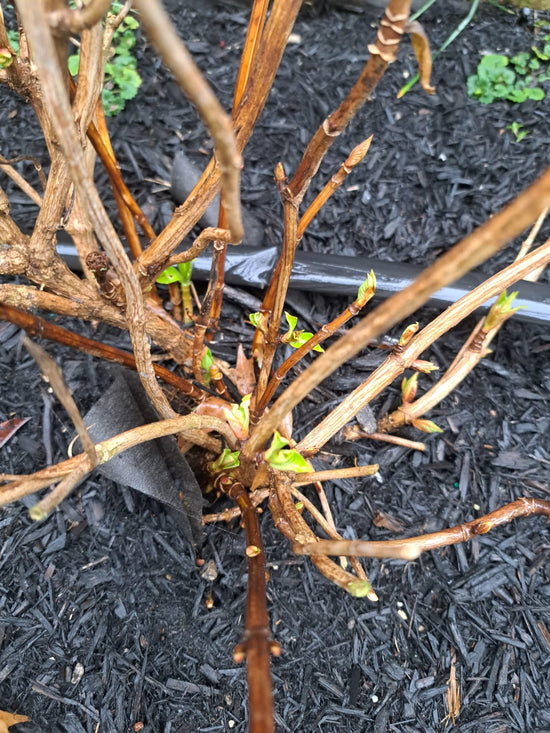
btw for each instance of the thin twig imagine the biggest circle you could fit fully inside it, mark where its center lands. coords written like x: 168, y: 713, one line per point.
x: 54, y: 376
x: 413, y: 547
x: 17, y: 178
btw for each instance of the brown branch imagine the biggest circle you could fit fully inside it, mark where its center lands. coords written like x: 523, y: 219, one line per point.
x: 474, y: 249
x: 17, y: 178
x: 333, y: 474
x: 256, y: 644
x: 256, y: 497
x: 175, y: 56
x: 210, y: 234
x: 290, y: 522
x: 413, y: 547
x: 99, y: 137
x: 353, y: 159
x: 67, y: 21
x: 290, y: 212
x: 162, y: 329
x: 190, y: 426
x: 253, y: 37
x: 382, y: 53
x: 45, y: 329
x: 90, y: 77
x: 325, y: 332
x: 264, y: 67
x: 45, y: 506
x: 355, y: 432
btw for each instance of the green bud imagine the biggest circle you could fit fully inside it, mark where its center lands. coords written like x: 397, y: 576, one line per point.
x: 409, y: 387
x: 366, y: 290
x: 426, y: 426
x: 226, y: 461
x: 360, y: 589
x: 408, y: 333
x: 6, y: 58
x: 259, y: 321
x: 501, y: 310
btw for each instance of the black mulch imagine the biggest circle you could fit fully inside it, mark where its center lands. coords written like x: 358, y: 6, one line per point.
x: 103, y: 618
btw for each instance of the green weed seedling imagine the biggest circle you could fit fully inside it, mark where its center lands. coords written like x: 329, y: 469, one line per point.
x: 518, y: 131
x: 121, y: 81
x: 514, y: 79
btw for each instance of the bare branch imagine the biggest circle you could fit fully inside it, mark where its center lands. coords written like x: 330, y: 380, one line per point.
x: 54, y: 376
x: 176, y: 57
x: 413, y: 547
x: 65, y: 22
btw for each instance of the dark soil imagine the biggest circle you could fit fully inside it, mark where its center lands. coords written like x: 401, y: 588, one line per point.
x: 103, y: 617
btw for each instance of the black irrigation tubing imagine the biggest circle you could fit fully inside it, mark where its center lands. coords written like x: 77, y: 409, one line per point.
x: 251, y: 267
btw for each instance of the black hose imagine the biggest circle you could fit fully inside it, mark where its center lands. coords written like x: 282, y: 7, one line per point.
x: 341, y: 275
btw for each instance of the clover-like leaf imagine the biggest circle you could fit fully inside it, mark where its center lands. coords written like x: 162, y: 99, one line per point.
x: 299, y: 338
x: 73, y: 63
x: 292, y: 321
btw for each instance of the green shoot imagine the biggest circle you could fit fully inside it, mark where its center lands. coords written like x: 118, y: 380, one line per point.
x: 226, y: 461
x: 180, y: 274
x: 518, y: 131
x: 296, y: 338
x: 285, y: 459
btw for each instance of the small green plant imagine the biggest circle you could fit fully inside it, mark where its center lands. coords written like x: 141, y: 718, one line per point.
x: 122, y: 80
x: 518, y: 131
x: 515, y: 79
x: 180, y: 274
x: 13, y: 38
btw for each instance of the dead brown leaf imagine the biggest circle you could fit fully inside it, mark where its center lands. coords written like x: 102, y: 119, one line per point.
x: 242, y: 376
x: 453, y: 691
x: 421, y: 48
x: 10, y: 427
x: 382, y: 519
x: 9, y: 719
